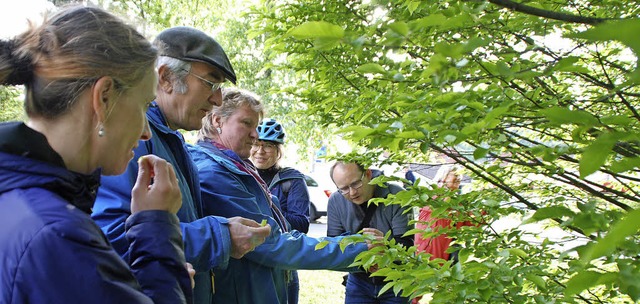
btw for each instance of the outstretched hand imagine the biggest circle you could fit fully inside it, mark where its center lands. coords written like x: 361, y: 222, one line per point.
x: 246, y: 234
x: 156, y: 186
x: 378, y: 237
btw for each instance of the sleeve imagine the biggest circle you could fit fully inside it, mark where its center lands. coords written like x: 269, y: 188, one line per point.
x: 334, y: 214
x: 156, y: 256
x: 297, y: 205
x: 207, y: 240
x: 294, y: 250
x: 86, y: 267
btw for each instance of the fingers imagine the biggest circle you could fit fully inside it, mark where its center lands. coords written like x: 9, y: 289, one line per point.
x: 245, y: 221
x: 372, y: 231
x: 192, y: 273
x: 145, y: 171
x: 156, y: 186
x: 260, y: 234
x: 246, y: 235
x: 163, y: 174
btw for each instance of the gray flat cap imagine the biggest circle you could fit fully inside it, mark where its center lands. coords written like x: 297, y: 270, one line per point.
x: 189, y: 44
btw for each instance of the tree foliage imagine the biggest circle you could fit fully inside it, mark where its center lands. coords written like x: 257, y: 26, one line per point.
x: 537, y: 100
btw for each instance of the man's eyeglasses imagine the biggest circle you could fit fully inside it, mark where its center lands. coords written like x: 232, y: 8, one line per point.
x: 355, y: 186
x: 215, y: 86
x: 266, y: 146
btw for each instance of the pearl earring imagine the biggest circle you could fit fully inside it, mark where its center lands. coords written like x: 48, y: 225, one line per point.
x: 101, y: 131
x: 219, y: 130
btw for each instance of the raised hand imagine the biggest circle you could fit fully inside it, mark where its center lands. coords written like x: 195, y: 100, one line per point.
x: 156, y: 186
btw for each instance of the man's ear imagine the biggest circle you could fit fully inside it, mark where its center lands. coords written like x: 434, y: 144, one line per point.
x: 102, y: 96
x: 165, y: 77
x: 368, y: 173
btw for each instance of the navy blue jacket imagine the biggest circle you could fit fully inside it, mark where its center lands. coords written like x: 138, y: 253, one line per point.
x: 293, y: 203
x: 52, y: 252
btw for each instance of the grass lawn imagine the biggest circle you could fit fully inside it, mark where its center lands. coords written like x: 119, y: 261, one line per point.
x: 321, y: 287
x: 325, y: 287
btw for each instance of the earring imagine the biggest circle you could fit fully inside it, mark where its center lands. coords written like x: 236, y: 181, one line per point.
x: 101, y: 131
x: 219, y: 130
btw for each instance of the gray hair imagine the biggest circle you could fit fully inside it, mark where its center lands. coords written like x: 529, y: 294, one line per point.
x: 179, y: 70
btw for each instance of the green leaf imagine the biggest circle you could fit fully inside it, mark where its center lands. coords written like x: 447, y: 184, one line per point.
x: 625, y: 30
x: 627, y: 226
x: 616, y: 120
x: 373, y: 68
x: 581, y: 281
x: 321, y: 245
x: 560, y: 115
x: 480, y: 153
x: 625, y: 164
x: 518, y: 252
x: 429, y: 21
x: 537, y: 280
x: 586, y: 279
x: 548, y: 212
x: 400, y: 27
x: 317, y: 29
x: 595, y: 155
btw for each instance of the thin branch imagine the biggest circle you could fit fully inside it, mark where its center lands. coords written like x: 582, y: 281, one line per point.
x: 530, y: 10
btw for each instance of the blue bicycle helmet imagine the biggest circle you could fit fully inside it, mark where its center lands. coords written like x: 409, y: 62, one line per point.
x: 271, y: 130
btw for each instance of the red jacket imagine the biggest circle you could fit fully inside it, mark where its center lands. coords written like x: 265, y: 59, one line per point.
x: 438, y: 245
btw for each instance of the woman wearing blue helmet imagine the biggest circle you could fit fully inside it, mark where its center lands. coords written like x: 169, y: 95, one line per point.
x: 285, y: 183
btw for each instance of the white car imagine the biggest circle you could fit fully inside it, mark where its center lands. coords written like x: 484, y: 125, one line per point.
x: 319, y: 197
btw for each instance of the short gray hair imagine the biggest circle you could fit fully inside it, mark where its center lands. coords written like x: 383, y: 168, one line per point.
x: 179, y: 70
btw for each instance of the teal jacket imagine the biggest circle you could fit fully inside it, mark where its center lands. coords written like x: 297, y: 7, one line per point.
x: 260, y: 277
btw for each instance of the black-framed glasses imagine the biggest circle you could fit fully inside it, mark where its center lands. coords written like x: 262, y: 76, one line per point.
x: 355, y: 185
x: 266, y: 146
x: 215, y: 86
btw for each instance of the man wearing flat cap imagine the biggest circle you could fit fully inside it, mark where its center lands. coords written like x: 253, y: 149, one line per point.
x: 192, y: 67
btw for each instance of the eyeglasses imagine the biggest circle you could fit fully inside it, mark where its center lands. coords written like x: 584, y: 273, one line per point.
x: 355, y: 186
x: 215, y: 86
x: 266, y: 146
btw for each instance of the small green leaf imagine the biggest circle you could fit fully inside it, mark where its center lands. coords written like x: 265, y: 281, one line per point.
x: 518, y: 252
x: 559, y: 115
x: 537, y: 280
x: 624, y: 30
x: 373, y: 68
x: 549, y: 212
x: 625, y: 164
x: 321, y: 245
x: 317, y: 29
x: 595, y: 155
x: 480, y: 153
x: 629, y: 225
x: 400, y: 27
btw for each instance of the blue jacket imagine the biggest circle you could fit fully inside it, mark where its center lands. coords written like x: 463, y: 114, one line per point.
x: 294, y: 203
x: 260, y: 276
x: 206, y: 238
x: 52, y: 252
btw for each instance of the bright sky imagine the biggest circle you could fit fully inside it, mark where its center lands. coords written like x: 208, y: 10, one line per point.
x: 14, y: 16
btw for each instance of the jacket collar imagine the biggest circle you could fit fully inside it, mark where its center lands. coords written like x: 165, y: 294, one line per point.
x: 29, y: 155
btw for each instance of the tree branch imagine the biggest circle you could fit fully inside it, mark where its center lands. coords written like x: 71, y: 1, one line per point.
x: 530, y: 10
